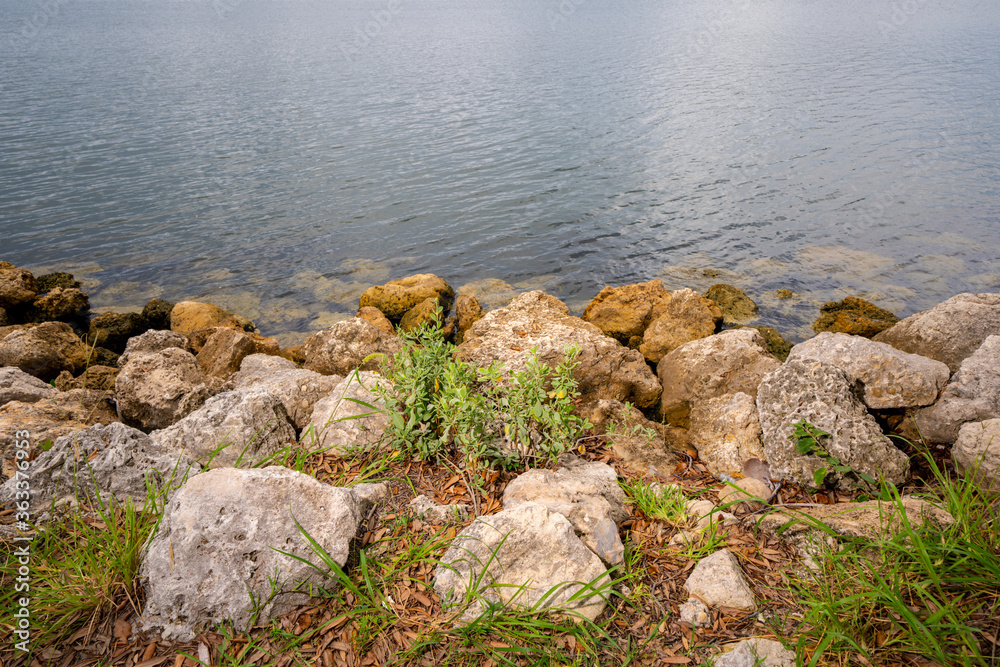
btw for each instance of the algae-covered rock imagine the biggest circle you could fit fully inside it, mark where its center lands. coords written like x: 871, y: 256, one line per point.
x: 774, y: 341
x: 736, y: 307
x: 625, y: 312
x: 112, y: 330
x: 425, y: 312
x: 784, y: 293
x: 190, y: 316
x: 397, y: 297
x: 50, y: 281
x: 376, y: 318
x: 59, y: 304
x: 469, y: 311
x: 157, y: 313
x: 854, y: 316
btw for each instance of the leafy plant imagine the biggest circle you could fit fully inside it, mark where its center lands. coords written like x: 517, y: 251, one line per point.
x: 438, y: 404
x: 807, y: 441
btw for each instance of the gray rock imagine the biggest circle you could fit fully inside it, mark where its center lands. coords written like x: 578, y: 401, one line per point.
x: 155, y: 389
x: 45, y: 350
x: 972, y: 395
x: 113, y: 462
x: 298, y: 389
x: 427, y: 509
x: 823, y: 396
x: 346, y: 345
x: 948, y: 332
x: 585, y: 493
x: 757, y: 653
x: 726, y: 363
x: 726, y: 432
x: 249, y: 425
x: 16, y: 385
x: 891, y: 378
x: 153, y: 340
x: 977, y: 450
x: 220, y: 543
x: 695, y: 613
x: 605, y: 368
x: 343, y: 421
x: 719, y: 582
x: 528, y: 553
x: 51, y: 418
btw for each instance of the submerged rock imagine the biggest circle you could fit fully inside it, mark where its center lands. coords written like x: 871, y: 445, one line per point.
x: 854, y: 316
x: 736, y: 307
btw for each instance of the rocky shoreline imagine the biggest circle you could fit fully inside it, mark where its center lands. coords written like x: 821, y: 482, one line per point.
x: 191, y: 398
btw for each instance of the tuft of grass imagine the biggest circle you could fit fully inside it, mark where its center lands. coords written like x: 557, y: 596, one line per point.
x: 922, y: 589
x: 665, y: 503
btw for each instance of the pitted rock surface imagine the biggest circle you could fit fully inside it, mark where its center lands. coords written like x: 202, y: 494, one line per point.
x: 156, y: 389
x: 726, y: 432
x: 344, y: 347
x: 342, y: 421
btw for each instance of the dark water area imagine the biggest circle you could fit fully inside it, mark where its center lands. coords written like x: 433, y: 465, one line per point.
x: 277, y: 157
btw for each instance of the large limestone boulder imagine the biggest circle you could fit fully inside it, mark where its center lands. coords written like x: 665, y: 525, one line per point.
x: 60, y: 304
x: 153, y: 340
x: 726, y: 432
x: 16, y: 385
x: 112, y: 462
x: 605, y: 368
x: 726, y: 363
x: 45, y: 350
x: 226, y: 348
x: 190, y: 316
x: 220, y: 542
x: 736, y: 307
x: 689, y: 316
x: 719, y: 582
x: 825, y: 397
x: 50, y: 418
x: 17, y: 286
x: 351, y: 417
x: 972, y: 395
x: 238, y: 428
x: 950, y: 331
x: 298, y: 389
x: 523, y: 556
x: 977, y: 451
x: 346, y: 345
x: 113, y: 330
x: 587, y: 494
x: 155, y: 389
x: 625, y: 312
x: 853, y: 316
x: 890, y: 378
x: 396, y: 297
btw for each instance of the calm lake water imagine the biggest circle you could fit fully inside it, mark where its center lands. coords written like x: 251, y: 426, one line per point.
x: 278, y: 157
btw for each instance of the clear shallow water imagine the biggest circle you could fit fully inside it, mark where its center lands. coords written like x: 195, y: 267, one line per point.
x: 274, y: 157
